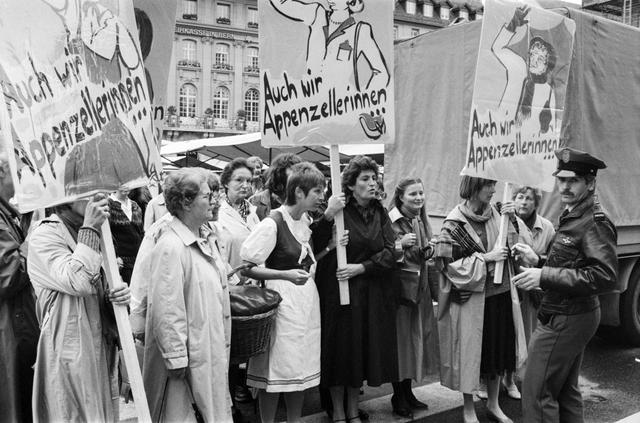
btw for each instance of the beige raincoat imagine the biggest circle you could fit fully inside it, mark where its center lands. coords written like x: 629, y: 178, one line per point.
x: 460, y: 325
x: 188, y: 325
x: 76, y: 372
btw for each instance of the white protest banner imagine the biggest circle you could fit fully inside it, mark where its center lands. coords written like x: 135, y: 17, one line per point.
x: 156, y: 22
x: 326, y: 72
x: 523, y: 65
x: 76, y: 109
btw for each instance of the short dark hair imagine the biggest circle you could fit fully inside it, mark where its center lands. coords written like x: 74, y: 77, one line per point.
x: 356, y: 166
x: 277, y: 174
x: 537, y: 196
x: 304, y: 176
x: 470, y: 186
x: 213, y: 181
x: 181, y: 187
x: 228, y: 170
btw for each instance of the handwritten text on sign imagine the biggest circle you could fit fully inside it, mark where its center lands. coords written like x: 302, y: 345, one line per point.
x: 326, y: 72
x: 516, y: 115
x: 77, y: 114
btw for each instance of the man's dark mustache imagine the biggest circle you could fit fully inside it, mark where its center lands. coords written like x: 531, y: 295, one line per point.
x: 566, y: 193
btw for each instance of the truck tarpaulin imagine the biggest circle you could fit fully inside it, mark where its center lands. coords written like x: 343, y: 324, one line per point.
x: 434, y: 86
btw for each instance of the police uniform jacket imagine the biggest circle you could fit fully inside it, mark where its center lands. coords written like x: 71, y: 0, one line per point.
x: 581, y: 262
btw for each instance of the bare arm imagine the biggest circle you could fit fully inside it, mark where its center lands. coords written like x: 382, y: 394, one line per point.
x: 297, y: 276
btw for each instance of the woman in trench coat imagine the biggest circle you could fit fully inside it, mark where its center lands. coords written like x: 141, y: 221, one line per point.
x: 479, y: 323
x: 76, y: 370
x: 188, y: 328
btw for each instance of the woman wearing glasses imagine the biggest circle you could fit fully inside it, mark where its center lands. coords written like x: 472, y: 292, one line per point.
x: 237, y: 215
x: 188, y: 328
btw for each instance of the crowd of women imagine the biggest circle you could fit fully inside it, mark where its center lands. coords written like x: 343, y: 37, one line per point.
x: 218, y: 232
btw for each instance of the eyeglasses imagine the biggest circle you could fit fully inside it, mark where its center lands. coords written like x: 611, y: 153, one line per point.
x: 211, y: 195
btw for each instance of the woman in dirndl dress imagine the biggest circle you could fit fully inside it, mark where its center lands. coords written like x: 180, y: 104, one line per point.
x: 280, y: 242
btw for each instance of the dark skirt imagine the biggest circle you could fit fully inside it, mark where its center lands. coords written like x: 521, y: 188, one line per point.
x: 358, y: 340
x: 498, y: 336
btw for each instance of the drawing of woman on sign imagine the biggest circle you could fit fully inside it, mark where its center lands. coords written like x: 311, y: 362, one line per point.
x: 529, y: 80
x: 337, y: 42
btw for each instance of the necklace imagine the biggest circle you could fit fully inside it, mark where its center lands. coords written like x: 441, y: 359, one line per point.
x: 336, y: 23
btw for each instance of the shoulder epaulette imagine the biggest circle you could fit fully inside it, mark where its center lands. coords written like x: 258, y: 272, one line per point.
x: 598, y: 213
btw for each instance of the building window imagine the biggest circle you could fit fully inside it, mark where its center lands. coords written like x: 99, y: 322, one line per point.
x: 410, y: 6
x: 464, y: 14
x: 221, y: 103
x: 252, y: 17
x: 415, y: 32
x: 444, y: 13
x: 190, y: 9
x: 223, y: 13
x: 252, y: 57
x: 395, y: 32
x: 189, y: 50
x: 251, y: 104
x: 222, y: 54
x: 427, y: 10
x: 188, y: 94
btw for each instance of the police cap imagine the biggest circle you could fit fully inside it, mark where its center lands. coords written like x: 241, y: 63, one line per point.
x: 572, y: 162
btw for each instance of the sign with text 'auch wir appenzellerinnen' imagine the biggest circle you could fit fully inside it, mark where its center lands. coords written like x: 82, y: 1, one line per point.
x: 76, y: 116
x: 326, y: 72
x: 521, y: 77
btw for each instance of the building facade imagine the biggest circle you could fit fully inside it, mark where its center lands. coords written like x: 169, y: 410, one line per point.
x: 214, y: 86
x: 625, y: 11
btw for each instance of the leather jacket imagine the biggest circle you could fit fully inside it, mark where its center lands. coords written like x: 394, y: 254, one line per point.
x: 581, y: 261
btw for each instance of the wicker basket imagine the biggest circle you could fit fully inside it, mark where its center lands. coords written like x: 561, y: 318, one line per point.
x: 250, y: 335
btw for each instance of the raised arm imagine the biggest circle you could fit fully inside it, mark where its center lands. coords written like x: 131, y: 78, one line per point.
x: 297, y: 10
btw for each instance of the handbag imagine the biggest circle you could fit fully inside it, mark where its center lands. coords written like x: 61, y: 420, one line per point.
x: 408, y: 284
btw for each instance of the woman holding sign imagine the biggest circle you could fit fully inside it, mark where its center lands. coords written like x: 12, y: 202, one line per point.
x: 476, y: 315
x: 359, y: 339
x: 76, y: 371
x: 418, y: 353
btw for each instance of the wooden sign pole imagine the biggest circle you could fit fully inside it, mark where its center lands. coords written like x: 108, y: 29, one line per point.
x: 124, y: 326
x: 502, y: 237
x: 341, y: 251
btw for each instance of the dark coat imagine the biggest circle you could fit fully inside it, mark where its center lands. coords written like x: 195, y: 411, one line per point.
x: 359, y: 339
x: 18, y: 323
x: 581, y: 261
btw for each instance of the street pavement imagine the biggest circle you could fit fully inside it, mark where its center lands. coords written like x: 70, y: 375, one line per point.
x: 610, y: 383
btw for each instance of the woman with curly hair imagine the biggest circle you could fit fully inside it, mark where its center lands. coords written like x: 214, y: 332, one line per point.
x: 358, y: 339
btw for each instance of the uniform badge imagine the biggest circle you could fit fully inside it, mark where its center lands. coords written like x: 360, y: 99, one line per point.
x: 566, y: 156
x: 566, y: 240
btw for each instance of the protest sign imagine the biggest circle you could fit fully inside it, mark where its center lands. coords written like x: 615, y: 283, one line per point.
x: 326, y: 72
x: 156, y: 21
x: 76, y: 111
x: 521, y: 77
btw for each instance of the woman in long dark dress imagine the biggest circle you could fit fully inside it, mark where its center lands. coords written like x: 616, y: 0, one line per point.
x: 358, y: 339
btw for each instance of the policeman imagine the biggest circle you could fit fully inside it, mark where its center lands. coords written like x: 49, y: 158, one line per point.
x: 581, y: 263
